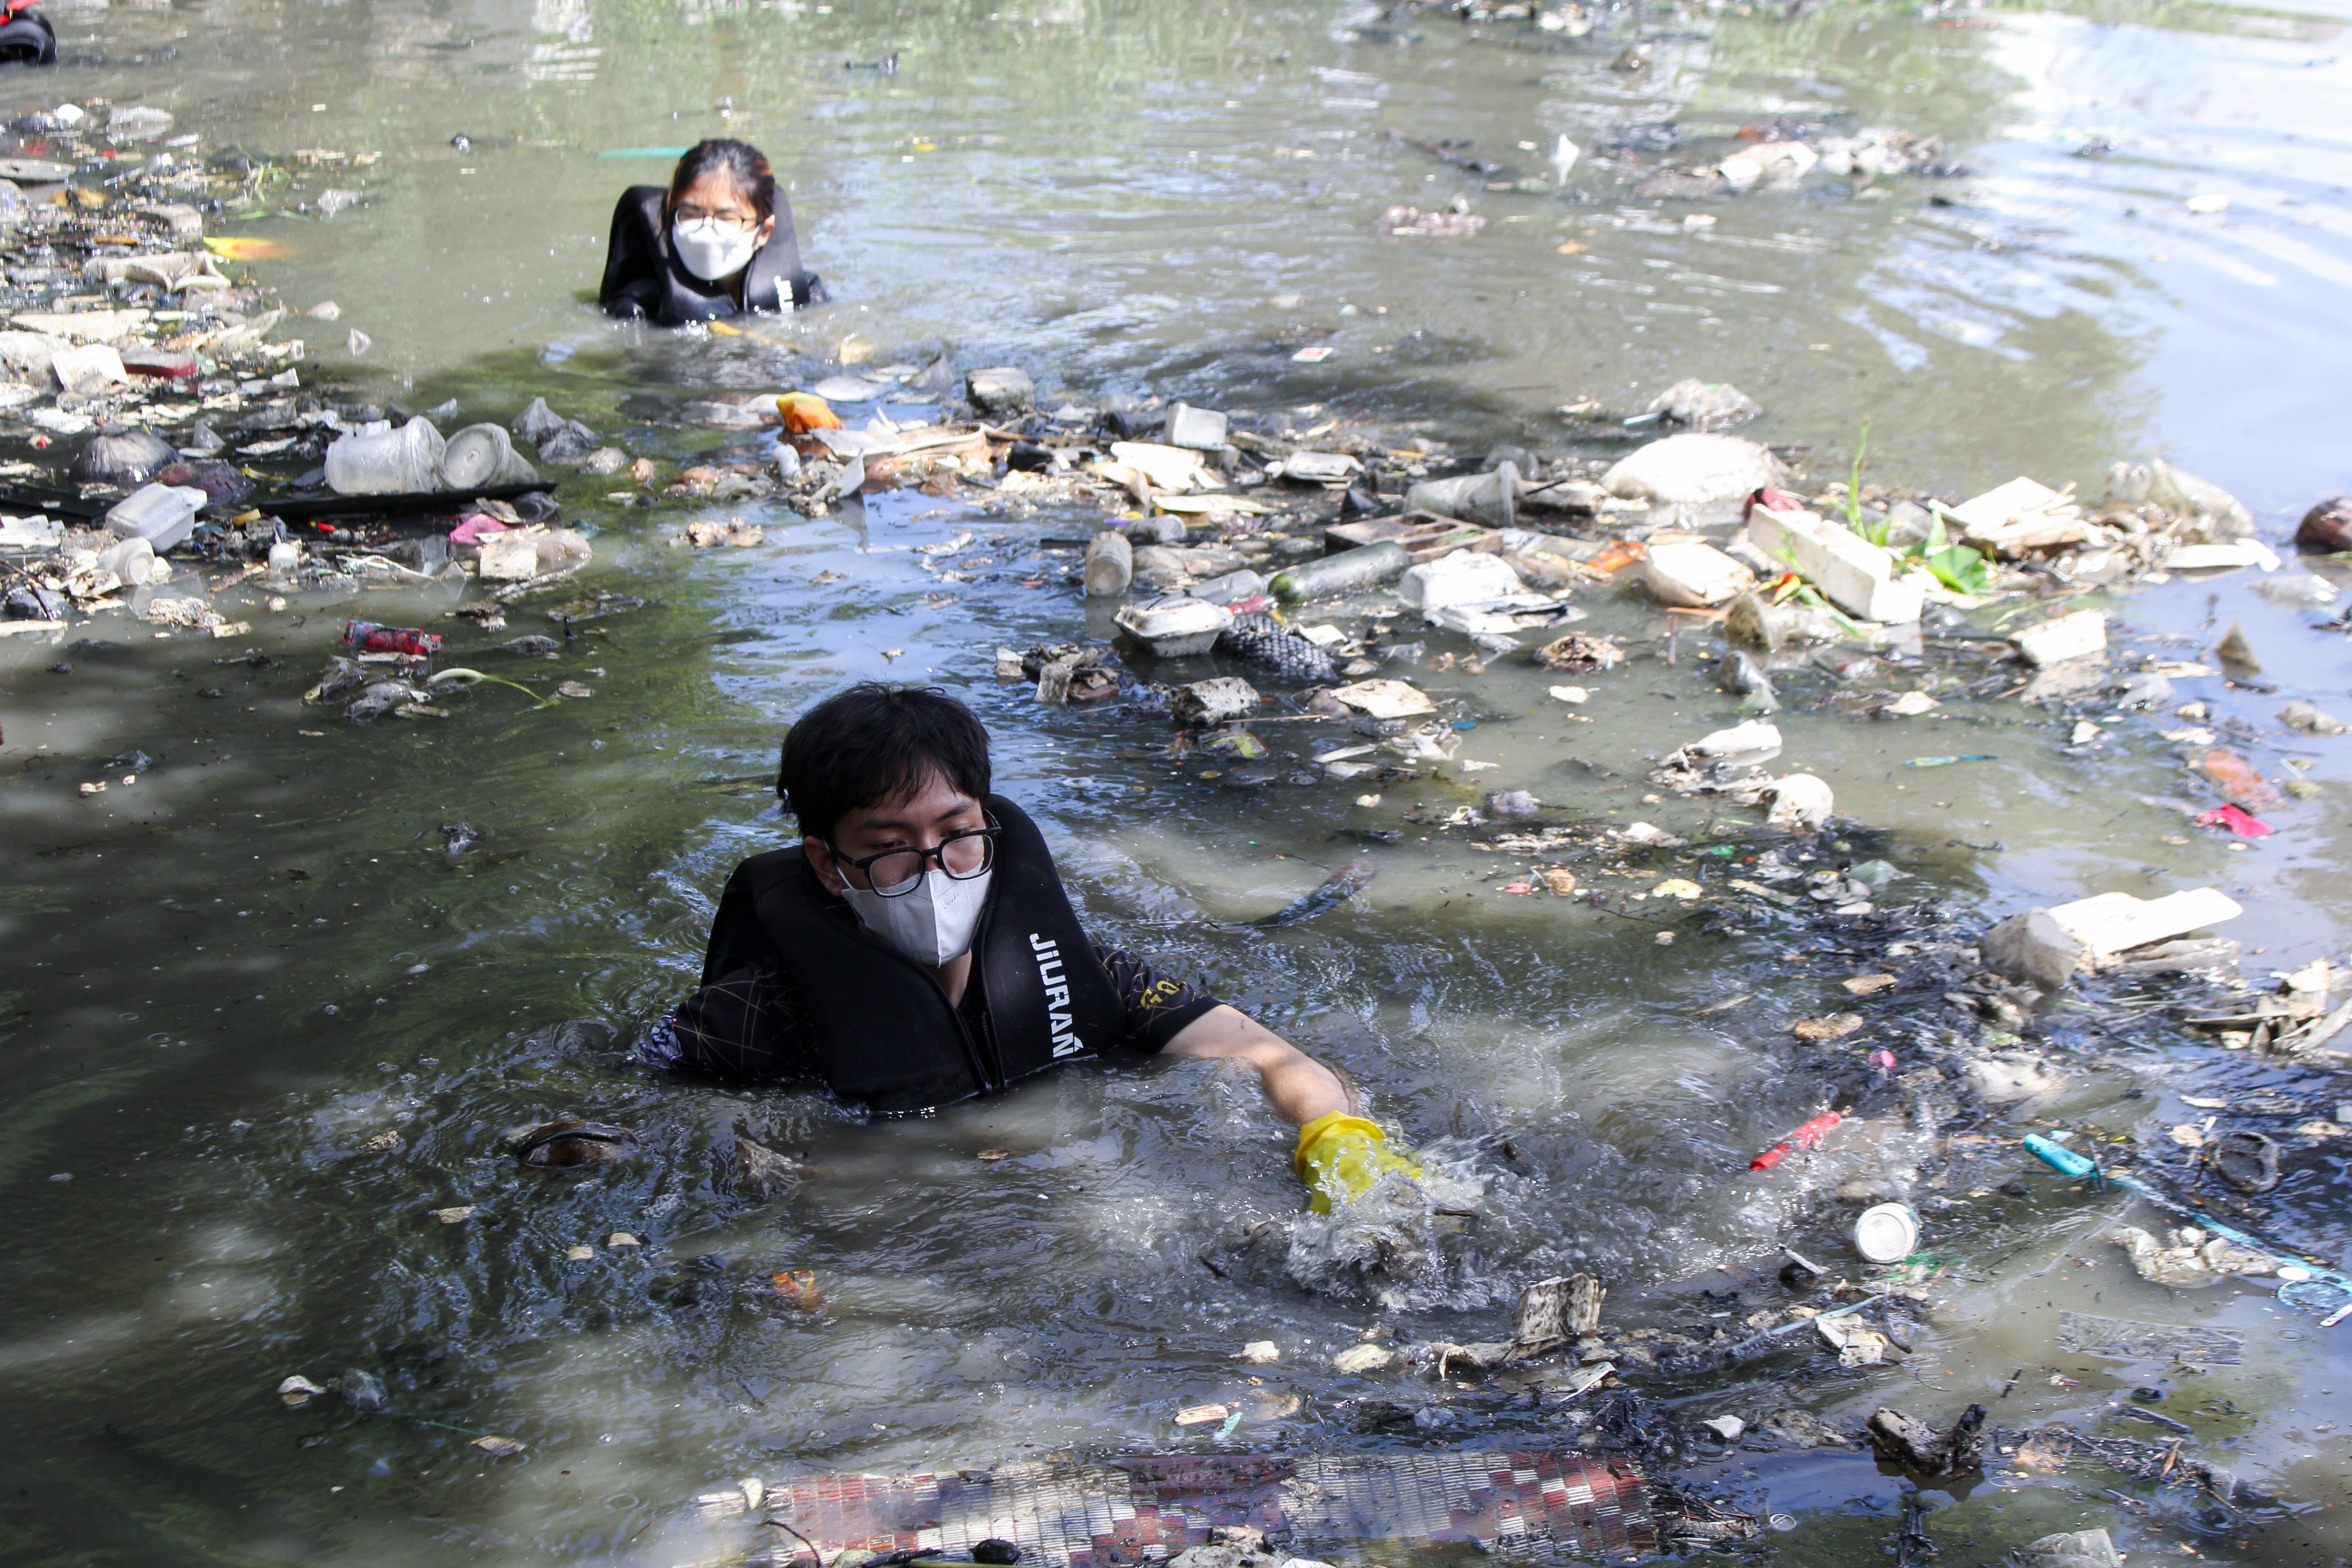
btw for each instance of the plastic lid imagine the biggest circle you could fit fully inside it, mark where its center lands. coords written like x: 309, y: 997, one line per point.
x: 1888, y: 1233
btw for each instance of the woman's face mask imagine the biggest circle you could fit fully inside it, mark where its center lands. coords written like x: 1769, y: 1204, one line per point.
x: 712, y: 249
x: 929, y: 925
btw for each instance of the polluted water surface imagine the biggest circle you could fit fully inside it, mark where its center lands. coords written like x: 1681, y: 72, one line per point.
x: 345, y: 1229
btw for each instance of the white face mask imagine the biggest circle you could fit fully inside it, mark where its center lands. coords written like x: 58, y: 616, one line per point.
x: 711, y: 250
x: 930, y: 925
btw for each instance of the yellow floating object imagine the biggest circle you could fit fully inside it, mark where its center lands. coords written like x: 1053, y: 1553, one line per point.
x: 805, y: 411
x: 244, y: 247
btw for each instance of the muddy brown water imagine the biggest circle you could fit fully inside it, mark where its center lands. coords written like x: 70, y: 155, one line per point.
x: 227, y: 978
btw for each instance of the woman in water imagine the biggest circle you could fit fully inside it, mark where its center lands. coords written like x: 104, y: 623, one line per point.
x: 718, y: 242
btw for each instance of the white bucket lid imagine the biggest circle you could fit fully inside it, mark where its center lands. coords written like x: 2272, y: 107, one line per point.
x: 1887, y: 1233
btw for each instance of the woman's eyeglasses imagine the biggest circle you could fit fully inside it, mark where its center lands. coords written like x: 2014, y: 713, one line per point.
x: 742, y: 222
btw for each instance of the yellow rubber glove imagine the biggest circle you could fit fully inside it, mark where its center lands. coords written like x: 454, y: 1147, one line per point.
x: 1340, y: 1156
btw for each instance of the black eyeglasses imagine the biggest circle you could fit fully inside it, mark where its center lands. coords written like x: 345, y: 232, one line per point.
x: 895, y: 873
x: 741, y: 223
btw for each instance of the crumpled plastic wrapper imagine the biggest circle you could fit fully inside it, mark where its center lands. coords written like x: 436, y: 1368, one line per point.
x: 2192, y: 1261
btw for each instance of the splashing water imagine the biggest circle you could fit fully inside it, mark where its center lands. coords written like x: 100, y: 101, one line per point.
x: 1393, y: 1242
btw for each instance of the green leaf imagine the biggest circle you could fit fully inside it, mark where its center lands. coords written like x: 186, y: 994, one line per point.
x: 1853, y: 494
x: 1960, y: 569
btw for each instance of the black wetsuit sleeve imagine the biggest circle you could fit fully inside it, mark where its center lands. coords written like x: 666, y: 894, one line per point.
x: 632, y: 285
x: 1158, y: 1007
x: 746, y: 1024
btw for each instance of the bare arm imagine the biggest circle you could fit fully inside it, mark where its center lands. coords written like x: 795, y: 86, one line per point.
x: 1297, y: 1087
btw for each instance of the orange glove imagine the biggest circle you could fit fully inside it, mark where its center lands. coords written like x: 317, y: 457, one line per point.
x: 1340, y: 1156
x: 805, y: 411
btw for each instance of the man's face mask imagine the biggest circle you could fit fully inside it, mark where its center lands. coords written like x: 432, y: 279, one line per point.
x: 713, y: 249
x: 931, y: 924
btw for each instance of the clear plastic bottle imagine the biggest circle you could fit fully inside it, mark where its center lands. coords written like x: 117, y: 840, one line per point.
x: 1364, y: 567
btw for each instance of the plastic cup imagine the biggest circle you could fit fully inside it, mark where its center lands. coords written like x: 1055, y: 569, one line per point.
x: 481, y: 456
x: 1887, y: 1233
x: 378, y: 460
x: 1489, y: 499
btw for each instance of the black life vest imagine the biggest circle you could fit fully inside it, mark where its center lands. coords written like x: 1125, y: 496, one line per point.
x: 642, y: 276
x: 883, y: 1029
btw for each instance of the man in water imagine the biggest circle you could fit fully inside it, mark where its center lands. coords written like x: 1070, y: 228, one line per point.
x: 916, y: 948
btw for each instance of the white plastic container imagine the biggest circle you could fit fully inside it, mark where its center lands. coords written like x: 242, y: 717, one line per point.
x: 1198, y: 429
x: 162, y: 515
x: 1464, y: 577
x: 378, y: 460
x: 1174, y: 625
x: 481, y: 456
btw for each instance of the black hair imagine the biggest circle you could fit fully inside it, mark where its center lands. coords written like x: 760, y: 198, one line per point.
x: 744, y: 163
x: 875, y: 742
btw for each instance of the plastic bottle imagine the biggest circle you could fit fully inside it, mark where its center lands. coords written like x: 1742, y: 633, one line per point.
x: 131, y: 560
x: 1110, y: 564
x: 1364, y: 567
x: 162, y: 515
x: 367, y: 637
x: 1231, y: 589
